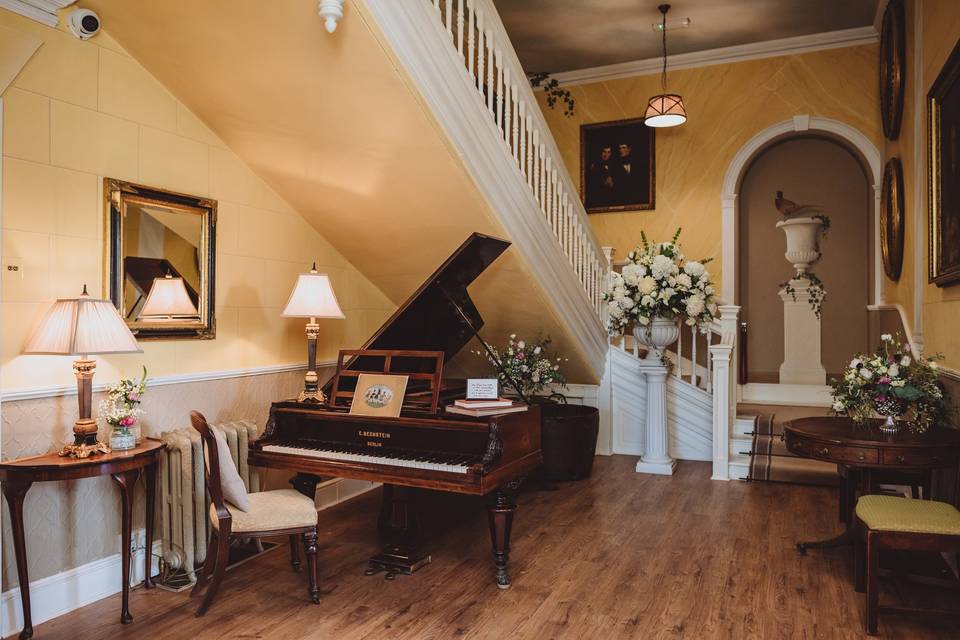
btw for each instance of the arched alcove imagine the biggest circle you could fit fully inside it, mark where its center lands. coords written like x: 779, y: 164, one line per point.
x: 809, y: 169
x: 800, y: 124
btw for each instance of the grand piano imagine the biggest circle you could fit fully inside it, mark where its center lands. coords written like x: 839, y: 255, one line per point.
x: 423, y: 448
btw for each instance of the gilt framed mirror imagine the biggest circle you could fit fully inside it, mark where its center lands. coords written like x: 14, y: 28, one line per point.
x: 160, y: 260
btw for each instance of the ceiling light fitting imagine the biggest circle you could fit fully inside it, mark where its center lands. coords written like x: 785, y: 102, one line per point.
x: 331, y: 11
x: 665, y: 109
x: 670, y: 26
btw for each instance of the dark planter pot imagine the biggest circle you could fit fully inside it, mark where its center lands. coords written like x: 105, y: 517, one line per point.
x: 568, y: 439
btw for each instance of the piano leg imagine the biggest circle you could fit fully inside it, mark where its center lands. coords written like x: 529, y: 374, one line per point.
x: 500, y: 514
x: 399, y: 529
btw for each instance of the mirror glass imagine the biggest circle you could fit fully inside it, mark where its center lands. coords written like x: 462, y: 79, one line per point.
x: 161, y: 260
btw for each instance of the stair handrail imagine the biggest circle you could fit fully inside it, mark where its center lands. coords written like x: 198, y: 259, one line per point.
x: 480, y: 38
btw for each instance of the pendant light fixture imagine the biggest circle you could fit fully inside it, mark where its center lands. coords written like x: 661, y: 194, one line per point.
x: 665, y: 109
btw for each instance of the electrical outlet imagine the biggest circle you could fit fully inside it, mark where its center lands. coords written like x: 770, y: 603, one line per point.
x: 13, y: 267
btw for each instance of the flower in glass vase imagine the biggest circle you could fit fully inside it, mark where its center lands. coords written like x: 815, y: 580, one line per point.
x: 891, y: 382
x: 526, y: 365
x: 121, y: 410
x: 658, y: 282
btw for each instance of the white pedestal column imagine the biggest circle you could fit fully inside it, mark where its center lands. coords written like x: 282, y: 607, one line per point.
x: 801, y: 338
x: 656, y: 458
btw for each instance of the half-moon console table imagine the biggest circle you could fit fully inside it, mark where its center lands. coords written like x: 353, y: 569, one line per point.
x: 865, y: 453
x: 123, y: 466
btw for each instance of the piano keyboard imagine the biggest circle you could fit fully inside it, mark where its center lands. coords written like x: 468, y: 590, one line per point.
x: 412, y: 462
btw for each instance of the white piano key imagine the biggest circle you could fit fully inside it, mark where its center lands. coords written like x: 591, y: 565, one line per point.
x: 357, y: 457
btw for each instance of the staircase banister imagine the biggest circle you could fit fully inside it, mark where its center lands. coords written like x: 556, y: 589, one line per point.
x: 511, y: 61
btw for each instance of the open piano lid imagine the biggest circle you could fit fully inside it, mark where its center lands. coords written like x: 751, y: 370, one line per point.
x: 440, y: 316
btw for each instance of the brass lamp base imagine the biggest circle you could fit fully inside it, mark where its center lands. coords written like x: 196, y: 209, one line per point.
x: 311, y: 389
x: 85, y: 441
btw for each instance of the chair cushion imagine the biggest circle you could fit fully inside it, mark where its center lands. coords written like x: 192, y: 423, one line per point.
x: 892, y: 513
x: 271, y: 510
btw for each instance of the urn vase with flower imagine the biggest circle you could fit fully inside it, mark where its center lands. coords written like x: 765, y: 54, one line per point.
x: 654, y: 291
x: 894, y: 383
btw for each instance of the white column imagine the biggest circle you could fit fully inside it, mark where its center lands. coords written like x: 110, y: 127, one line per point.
x: 656, y: 457
x: 801, y: 338
x: 720, y: 356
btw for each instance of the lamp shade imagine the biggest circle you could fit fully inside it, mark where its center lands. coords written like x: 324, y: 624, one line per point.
x: 313, y: 297
x: 665, y: 110
x: 167, y: 298
x: 81, y: 326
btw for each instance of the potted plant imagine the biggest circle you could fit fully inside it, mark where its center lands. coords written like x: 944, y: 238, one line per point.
x: 121, y: 410
x: 654, y: 290
x: 893, y: 383
x: 568, y: 433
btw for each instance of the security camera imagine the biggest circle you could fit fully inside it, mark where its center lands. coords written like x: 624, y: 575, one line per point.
x: 84, y: 23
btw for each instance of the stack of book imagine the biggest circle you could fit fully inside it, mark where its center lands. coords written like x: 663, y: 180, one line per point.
x: 478, y: 408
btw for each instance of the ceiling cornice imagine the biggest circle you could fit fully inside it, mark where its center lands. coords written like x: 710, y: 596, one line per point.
x: 724, y: 55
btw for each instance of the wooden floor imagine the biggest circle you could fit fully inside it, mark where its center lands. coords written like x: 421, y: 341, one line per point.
x: 618, y: 556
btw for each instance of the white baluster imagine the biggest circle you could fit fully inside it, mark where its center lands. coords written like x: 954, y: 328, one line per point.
x: 515, y: 128
x: 507, y: 110
x: 535, y: 153
x: 490, y: 70
x: 436, y: 5
x: 678, y: 370
x: 470, y: 36
x: 693, y: 355
x: 481, y: 57
x: 449, y: 18
x: 524, y: 167
x: 709, y: 380
x: 546, y: 186
x: 499, y: 91
x: 460, y: 27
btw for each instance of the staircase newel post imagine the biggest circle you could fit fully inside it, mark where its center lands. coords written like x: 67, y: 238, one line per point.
x: 724, y: 390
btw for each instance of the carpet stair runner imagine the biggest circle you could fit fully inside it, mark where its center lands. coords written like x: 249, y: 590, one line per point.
x: 771, y: 462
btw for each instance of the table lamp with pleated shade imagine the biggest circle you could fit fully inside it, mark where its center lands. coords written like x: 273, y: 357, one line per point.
x: 313, y: 298
x: 82, y: 327
x: 168, y: 301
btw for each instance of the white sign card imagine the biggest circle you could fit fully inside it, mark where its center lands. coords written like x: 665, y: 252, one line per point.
x: 482, y: 389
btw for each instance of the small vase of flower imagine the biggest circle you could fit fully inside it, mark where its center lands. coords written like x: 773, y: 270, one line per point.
x: 526, y: 367
x: 121, y: 410
x: 893, y: 383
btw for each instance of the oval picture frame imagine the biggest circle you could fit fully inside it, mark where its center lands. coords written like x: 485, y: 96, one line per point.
x: 892, y: 68
x: 891, y: 219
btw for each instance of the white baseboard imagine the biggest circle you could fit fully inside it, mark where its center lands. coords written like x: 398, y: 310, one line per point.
x: 64, y: 592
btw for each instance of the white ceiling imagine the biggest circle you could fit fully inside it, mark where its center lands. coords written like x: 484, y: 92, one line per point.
x: 564, y: 35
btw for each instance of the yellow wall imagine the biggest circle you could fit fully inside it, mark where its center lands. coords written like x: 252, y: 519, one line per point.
x: 79, y: 111
x: 727, y: 105
x: 940, y: 23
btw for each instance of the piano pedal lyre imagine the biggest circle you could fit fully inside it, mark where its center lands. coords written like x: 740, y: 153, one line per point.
x: 391, y: 565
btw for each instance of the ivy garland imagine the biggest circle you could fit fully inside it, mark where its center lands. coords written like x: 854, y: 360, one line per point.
x: 816, y: 291
x: 551, y: 87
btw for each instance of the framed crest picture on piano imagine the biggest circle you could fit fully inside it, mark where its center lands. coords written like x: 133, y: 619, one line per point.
x: 378, y: 395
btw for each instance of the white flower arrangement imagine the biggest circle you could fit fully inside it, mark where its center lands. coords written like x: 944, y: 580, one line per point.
x: 657, y: 282
x: 121, y: 408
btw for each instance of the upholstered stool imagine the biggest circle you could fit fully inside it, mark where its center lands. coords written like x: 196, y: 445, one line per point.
x: 890, y: 522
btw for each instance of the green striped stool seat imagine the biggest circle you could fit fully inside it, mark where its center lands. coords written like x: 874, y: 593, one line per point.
x: 892, y: 513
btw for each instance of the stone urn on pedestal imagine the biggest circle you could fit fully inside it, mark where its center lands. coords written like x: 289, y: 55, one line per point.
x: 657, y: 336
x: 801, y: 325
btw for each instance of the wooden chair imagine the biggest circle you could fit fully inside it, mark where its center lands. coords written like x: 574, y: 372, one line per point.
x: 272, y: 513
x: 891, y: 522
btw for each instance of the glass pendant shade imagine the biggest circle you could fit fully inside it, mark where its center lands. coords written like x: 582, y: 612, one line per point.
x: 665, y: 110
x: 168, y: 300
x: 81, y: 326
